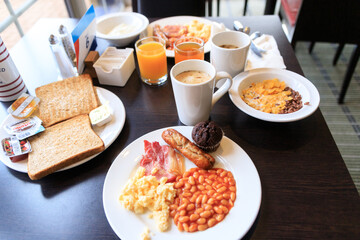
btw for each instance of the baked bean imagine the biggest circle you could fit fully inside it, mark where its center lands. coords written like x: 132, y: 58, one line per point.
x: 205, y: 214
x: 199, y: 210
x: 191, y: 180
x: 201, y: 221
x: 218, y: 210
x: 179, y: 184
x: 226, y: 195
x: 211, y: 222
x: 190, y: 207
x: 193, y: 227
x: 202, y: 227
x: 180, y: 227
x: 204, y: 198
x: 201, y: 179
x: 186, y: 227
x: 211, y: 201
x: 232, y: 196
x: 223, y: 174
x: 183, y: 219
x: 219, y: 217
x: 194, y: 217
x: 212, y: 177
x: 208, y: 181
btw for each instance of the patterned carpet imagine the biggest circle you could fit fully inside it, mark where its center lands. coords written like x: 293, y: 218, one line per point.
x: 343, y: 119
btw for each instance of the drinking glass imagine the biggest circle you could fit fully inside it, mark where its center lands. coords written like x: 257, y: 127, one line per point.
x: 188, y: 48
x: 151, y: 58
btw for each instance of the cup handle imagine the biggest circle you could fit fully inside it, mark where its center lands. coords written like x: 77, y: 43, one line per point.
x: 224, y: 88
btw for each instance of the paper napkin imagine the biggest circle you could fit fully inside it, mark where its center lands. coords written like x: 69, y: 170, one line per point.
x: 270, y: 59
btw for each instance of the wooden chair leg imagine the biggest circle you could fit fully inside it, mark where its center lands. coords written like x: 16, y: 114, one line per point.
x: 245, y: 6
x: 349, y: 72
x: 338, y: 53
x: 311, y: 47
x: 218, y: 8
x: 209, y: 7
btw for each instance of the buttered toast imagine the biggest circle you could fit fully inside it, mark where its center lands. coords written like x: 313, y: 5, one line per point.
x: 64, y: 99
x: 61, y: 145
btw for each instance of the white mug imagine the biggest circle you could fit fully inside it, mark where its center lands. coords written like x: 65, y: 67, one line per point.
x: 229, y: 60
x: 195, y: 101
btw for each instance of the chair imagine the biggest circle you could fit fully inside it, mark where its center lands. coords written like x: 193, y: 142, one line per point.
x: 165, y: 8
x: 330, y: 21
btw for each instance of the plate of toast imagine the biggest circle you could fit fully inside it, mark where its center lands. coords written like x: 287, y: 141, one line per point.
x: 69, y: 138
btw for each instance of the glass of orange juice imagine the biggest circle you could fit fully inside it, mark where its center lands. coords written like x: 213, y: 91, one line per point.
x: 188, y: 48
x: 151, y: 58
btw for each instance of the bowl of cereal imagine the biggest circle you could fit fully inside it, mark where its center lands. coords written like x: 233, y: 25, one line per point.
x: 274, y: 95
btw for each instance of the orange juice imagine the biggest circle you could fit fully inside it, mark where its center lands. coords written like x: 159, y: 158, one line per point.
x: 152, y: 60
x: 189, y: 48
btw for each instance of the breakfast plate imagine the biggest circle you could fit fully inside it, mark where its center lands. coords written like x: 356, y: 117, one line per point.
x: 180, y: 20
x: 128, y: 225
x: 108, y: 133
x: 306, y: 89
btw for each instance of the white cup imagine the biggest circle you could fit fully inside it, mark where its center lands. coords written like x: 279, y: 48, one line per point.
x: 230, y: 60
x: 195, y: 101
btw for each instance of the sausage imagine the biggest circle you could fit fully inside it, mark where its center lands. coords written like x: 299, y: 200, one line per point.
x: 188, y: 149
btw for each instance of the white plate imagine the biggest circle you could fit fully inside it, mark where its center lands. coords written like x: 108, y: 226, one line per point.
x: 108, y: 133
x: 229, y: 155
x: 307, y: 90
x: 179, y: 20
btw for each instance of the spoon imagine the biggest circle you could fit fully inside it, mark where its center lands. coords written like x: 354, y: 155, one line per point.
x: 239, y: 27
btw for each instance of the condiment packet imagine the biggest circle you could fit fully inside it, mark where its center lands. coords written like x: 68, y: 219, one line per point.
x: 24, y: 106
x: 14, y: 147
x: 24, y: 128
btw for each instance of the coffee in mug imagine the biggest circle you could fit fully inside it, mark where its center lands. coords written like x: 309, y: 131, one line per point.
x: 193, y: 77
x: 229, y: 46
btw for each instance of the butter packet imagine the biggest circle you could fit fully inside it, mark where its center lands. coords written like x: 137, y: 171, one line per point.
x: 24, y: 128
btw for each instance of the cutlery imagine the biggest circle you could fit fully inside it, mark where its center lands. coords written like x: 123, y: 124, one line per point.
x: 239, y: 27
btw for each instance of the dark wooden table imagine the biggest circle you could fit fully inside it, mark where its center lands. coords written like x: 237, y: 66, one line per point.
x: 307, y: 192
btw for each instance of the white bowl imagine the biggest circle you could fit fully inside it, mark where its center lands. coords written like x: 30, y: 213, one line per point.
x: 134, y: 21
x: 306, y: 89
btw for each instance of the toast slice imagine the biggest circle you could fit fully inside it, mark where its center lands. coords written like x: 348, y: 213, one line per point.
x: 64, y: 99
x: 61, y: 145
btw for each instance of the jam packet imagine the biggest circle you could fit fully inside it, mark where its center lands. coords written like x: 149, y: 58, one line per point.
x: 24, y: 128
x: 24, y: 106
x: 13, y: 147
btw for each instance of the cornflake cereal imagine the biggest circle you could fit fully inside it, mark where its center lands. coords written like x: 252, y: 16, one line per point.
x: 143, y: 193
x: 198, y: 29
x: 270, y: 96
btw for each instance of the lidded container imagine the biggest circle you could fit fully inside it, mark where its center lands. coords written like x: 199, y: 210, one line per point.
x: 115, y: 66
x: 11, y: 82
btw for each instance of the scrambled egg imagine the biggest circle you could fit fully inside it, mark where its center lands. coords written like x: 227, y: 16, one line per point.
x: 198, y: 29
x: 268, y: 96
x: 146, y: 192
x: 146, y: 234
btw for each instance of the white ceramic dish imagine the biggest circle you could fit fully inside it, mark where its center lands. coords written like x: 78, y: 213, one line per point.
x: 108, y: 133
x: 179, y: 20
x: 107, y: 22
x: 307, y: 90
x: 229, y: 155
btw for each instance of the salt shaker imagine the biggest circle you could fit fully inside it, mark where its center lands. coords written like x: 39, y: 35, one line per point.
x: 11, y: 82
x: 67, y: 43
x: 65, y: 66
